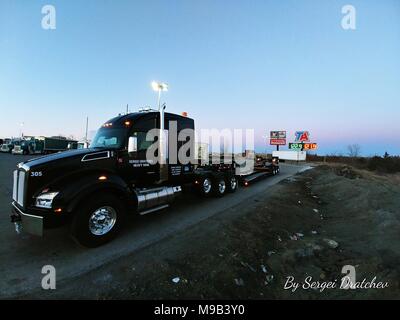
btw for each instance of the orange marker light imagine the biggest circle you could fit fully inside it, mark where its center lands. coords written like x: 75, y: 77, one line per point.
x: 58, y: 210
x: 184, y: 114
x: 102, y: 178
x: 246, y: 183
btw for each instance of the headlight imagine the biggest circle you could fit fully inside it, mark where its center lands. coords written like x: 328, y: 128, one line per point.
x: 45, y: 200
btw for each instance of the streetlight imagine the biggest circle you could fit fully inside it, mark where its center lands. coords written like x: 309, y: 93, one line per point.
x: 159, y: 86
x: 21, y: 132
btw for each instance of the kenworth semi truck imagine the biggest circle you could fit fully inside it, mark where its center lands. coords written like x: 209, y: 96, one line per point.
x: 97, y: 189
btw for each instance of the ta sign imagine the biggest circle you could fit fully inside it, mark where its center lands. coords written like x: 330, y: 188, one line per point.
x: 302, y: 136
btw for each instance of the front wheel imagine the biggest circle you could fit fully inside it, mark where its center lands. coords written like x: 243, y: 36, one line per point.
x: 98, y: 221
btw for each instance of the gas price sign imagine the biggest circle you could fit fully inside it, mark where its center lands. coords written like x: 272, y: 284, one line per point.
x: 301, y: 146
x: 309, y: 146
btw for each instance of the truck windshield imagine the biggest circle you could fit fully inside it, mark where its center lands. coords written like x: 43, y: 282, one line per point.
x: 109, y: 138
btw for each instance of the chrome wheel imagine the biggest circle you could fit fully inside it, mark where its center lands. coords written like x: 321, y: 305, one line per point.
x: 206, y: 185
x: 221, y: 187
x: 102, y: 220
x: 233, y: 183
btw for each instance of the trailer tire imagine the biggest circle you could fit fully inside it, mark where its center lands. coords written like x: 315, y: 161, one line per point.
x: 98, y: 220
x: 231, y: 183
x: 219, y: 185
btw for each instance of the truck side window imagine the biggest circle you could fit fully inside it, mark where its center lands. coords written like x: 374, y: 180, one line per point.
x: 142, y: 143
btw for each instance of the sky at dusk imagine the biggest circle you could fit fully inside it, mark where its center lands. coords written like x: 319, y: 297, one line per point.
x: 267, y: 65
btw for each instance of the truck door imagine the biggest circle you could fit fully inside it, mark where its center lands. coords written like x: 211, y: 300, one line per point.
x: 142, y: 170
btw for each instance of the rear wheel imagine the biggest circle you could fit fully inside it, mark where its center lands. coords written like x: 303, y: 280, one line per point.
x: 205, y: 186
x: 231, y: 184
x: 98, y: 221
x: 219, y: 186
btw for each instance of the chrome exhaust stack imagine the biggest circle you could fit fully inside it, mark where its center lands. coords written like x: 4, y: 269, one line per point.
x: 163, y: 143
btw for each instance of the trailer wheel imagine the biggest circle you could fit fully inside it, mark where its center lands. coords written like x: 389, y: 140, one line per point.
x: 219, y: 185
x: 231, y: 184
x: 98, y: 221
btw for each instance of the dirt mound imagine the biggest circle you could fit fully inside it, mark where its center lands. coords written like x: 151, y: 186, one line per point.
x: 347, y: 172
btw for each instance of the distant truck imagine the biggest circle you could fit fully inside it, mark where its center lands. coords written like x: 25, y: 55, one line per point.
x: 24, y: 147
x: 78, y: 145
x: 42, y: 145
x: 9, y: 144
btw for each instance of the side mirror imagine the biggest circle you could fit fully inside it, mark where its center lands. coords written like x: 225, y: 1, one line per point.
x: 132, y: 144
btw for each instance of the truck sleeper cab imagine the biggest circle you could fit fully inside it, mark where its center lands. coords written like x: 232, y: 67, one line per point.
x: 95, y: 189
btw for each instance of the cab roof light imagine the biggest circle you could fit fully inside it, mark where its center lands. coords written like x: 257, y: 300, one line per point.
x: 102, y: 178
x: 127, y: 123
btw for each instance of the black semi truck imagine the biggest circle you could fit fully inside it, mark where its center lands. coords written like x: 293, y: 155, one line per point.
x: 96, y: 189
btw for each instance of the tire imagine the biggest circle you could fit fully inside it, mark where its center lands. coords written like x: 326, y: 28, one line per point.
x: 231, y: 183
x: 205, y: 186
x: 219, y: 185
x: 93, y: 212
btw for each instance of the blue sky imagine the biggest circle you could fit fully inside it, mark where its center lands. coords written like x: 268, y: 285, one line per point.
x: 267, y: 65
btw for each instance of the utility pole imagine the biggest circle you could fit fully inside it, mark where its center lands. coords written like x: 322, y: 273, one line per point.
x: 86, y: 132
x: 127, y: 108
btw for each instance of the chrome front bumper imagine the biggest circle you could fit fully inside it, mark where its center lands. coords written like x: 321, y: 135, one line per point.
x: 27, y: 222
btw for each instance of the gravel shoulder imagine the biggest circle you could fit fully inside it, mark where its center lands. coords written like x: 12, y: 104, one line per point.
x: 310, y: 225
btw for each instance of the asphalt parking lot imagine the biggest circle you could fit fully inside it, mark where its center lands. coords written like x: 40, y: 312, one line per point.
x: 23, y: 256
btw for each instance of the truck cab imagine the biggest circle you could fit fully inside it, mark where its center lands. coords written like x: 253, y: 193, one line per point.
x: 8, y: 146
x: 103, y: 183
x: 25, y: 146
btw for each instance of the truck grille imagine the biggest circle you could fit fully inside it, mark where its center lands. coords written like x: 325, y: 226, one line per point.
x: 19, y: 187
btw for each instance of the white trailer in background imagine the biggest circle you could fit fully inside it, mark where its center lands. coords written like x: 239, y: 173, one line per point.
x: 290, y: 155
